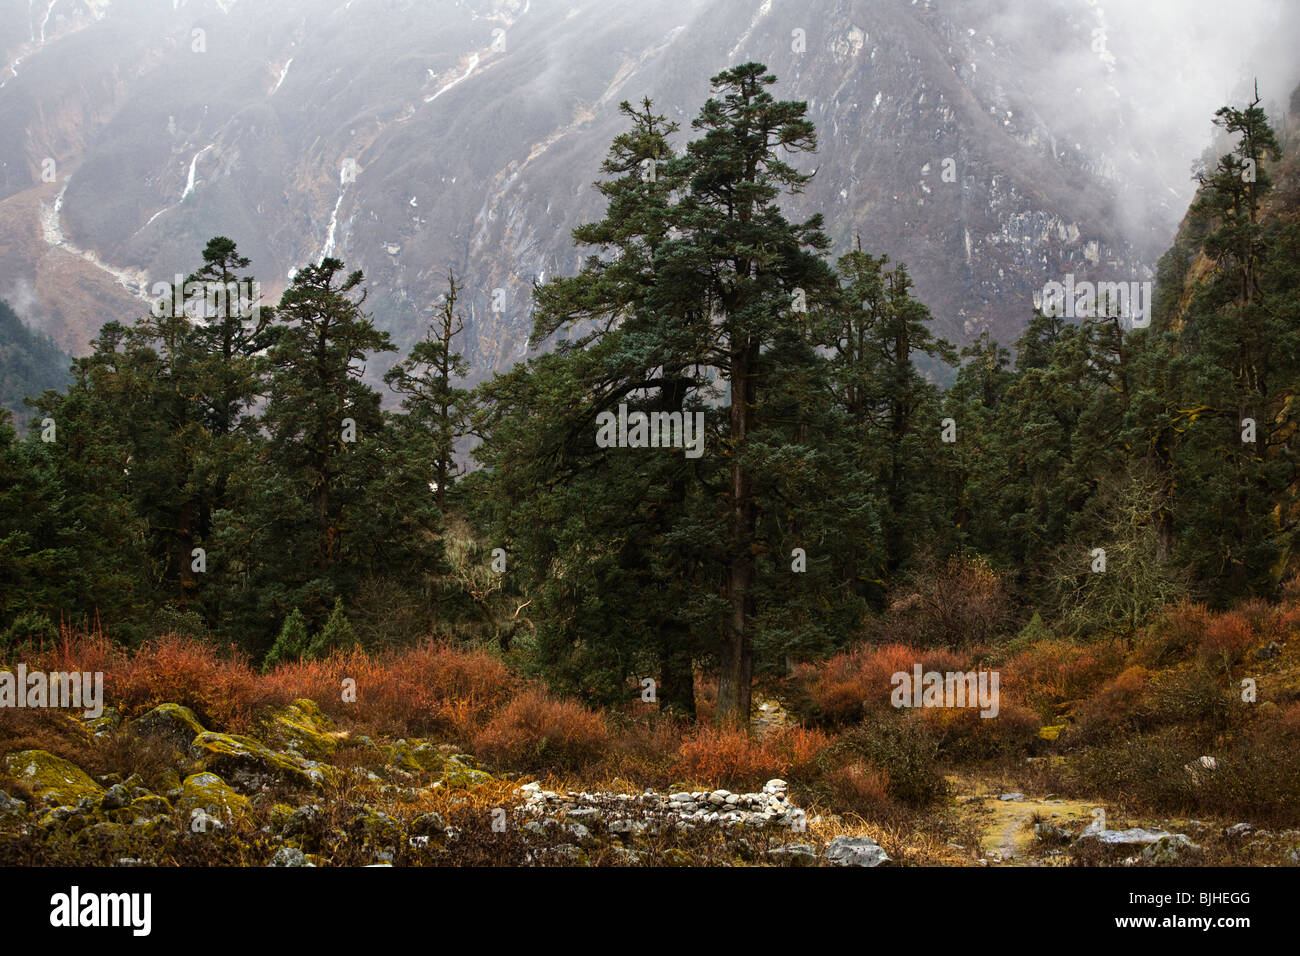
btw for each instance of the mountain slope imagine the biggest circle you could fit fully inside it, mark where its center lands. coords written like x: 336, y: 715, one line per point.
x: 407, y: 137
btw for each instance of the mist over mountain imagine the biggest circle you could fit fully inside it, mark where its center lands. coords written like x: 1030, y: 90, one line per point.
x: 990, y: 145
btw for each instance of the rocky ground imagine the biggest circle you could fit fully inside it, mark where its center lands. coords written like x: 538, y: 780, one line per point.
x: 303, y: 793
x: 300, y: 792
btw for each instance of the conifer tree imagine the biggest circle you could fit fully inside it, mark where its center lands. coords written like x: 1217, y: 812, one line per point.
x: 290, y: 644
x: 438, y: 412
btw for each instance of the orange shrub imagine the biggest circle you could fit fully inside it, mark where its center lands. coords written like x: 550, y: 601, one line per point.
x: 1228, y: 637
x: 797, y: 748
x: 1286, y: 621
x: 860, y: 788
x: 87, y: 651
x: 723, y: 756
x: 1175, y: 632
x: 432, y: 687
x: 1125, y: 690
x: 222, y: 690
x: 1259, y: 614
x: 218, y: 686
x: 733, y: 758
x: 1114, y: 703
x: 964, y: 732
x: 535, y: 731
x: 643, y: 750
x: 843, y: 688
x: 1047, y: 673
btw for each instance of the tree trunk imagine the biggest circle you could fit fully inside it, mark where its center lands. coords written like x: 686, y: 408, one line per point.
x: 737, y: 664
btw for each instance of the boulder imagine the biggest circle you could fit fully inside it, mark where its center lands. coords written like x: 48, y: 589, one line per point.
x: 208, y: 792
x: 250, y: 764
x: 1198, y: 769
x: 115, y: 798
x: 12, y: 806
x: 375, y: 828
x: 856, y: 851
x: 149, y: 807
x: 302, y: 822
x: 415, y: 756
x: 460, y: 776
x: 796, y: 854
x: 576, y: 831
x: 170, y: 722
x: 428, y: 824
x: 1135, y: 836
x: 566, y: 854
x: 52, y: 780
x: 1173, y: 850
x: 1050, y: 833
x: 290, y: 856
x: 304, y: 729
x: 105, y: 723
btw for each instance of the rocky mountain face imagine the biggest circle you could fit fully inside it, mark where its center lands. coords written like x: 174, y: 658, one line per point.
x: 966, y: 139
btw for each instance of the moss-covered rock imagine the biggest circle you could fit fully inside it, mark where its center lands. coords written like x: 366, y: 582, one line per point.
x: 376, y: 828
x: 303, y: 728
x: 173, y: 723
x: 70, y: 819
x: 459, y: 776
x: 148, y: 806
x: 169, y: 782
x: 52, y: 780
x: 415, y: 756
x: 565, y: 854
x: 1173, y: 850
x: 429, y: 824
x: 303, y: 826
x: 105, y: 834
x: 105, y: 723
x: 279, y: 817
x: 11, y: 808
x: 290, y: 856
x: 250, y: 764
x: 116, y: 797
x: 209, y: 792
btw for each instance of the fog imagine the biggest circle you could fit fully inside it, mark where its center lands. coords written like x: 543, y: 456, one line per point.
x: 1155, y: 72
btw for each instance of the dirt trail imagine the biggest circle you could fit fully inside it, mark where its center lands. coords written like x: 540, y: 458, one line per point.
x: 1005, y: 825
